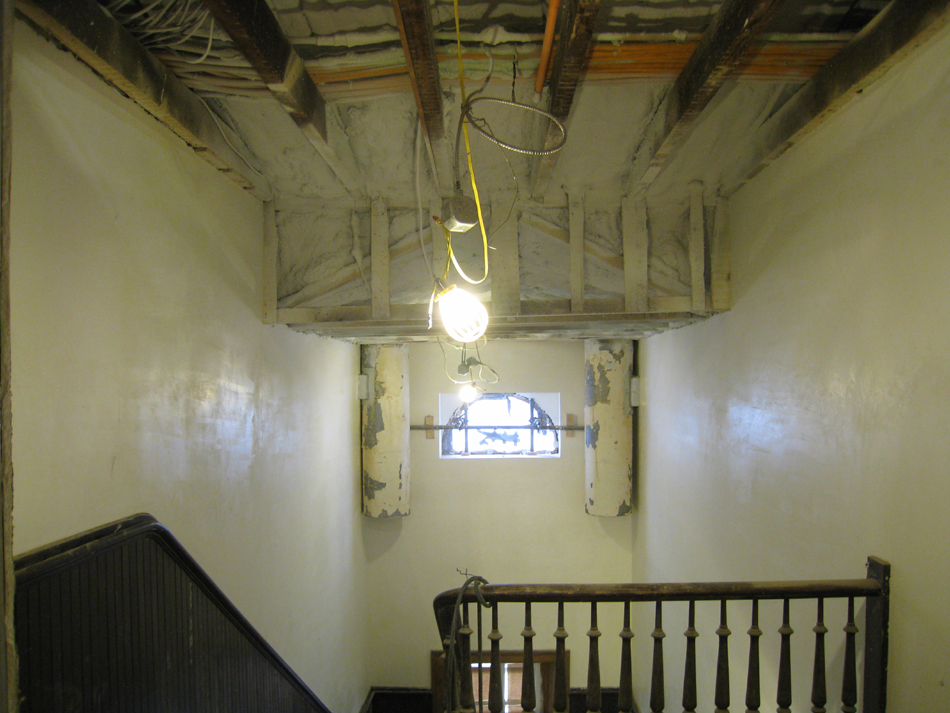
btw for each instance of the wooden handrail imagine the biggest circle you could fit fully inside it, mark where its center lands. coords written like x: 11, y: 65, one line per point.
x: 56, y: 560
x: 874, y: 589
x: 667, y: 592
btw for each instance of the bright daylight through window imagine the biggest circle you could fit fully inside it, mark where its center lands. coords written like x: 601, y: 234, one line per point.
x: 500, y: 425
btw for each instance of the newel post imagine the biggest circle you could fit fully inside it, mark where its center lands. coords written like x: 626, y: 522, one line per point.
x: 877, y: 616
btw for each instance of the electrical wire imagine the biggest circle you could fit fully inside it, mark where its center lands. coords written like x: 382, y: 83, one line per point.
x: 467, y: 112
x: 477, y: 370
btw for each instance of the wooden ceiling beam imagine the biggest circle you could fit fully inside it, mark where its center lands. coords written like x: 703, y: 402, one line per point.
x: 538, y: 320
x: 576, y: 19
x: 898, y: 29
x: 414, y: 19
x: 257, y: 34
x: 719, y: 51
x: 102, y: 43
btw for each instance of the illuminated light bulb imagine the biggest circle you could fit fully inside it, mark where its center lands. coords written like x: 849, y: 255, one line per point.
x: 468, y: 393
x: 464, y: 317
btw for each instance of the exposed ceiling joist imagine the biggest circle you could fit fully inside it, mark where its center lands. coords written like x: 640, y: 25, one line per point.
x: 256, y: 32
x: 538, y: 320
x: 899, y: 29
x: 415, y: 30
x: 107, y: 47
x: 719, y: 51
x: 576, y: 32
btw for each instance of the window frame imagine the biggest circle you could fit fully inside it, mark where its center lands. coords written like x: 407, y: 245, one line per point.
x: 538, y: 421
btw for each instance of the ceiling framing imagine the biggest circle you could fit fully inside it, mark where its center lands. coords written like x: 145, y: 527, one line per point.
x: 657, y: 271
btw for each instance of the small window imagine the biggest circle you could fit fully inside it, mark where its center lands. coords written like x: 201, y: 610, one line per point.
x: 501, y: 425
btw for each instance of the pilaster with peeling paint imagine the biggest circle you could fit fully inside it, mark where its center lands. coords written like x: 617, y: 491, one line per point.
x: 608, y: 450
x: 385, y: 430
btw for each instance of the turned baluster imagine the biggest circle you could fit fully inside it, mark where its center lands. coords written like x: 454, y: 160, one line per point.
x: 466, y: 695
x: 689, y: 676
x: 753, y: 697
x: 449, y: 688
x: 593, y: 664
x: 722, y: 662
x: 819, y: 695
x: 528, y: 701
x: 625, y: 695
x: 496, y: 699
x: 849, y: 684
x: 560, y: 663
x: 784, y: 697
x: 657, y: 694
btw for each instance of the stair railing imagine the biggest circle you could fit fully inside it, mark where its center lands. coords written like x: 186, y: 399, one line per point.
x: 874, y: 589
x: 122, y: 618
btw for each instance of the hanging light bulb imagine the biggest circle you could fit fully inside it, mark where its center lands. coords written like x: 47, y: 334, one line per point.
x: 464, y: 317
x: 469, y: 392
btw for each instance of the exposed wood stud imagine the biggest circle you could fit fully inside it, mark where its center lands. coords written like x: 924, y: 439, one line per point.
x: 898, y: 29
x: 719, y: 51
x: 414, y: 19
x: 591, y: 249
x: 576, y: 20
x: 720, y: 261
x: 257, y: 34
x: 318, y: 289
x: 577, y: 256
x: 102, y: 43
x: 636, y: 245
x: 271, y: 258
x: 697, y: 247
x: 505, y: 260
x: 379, y: 259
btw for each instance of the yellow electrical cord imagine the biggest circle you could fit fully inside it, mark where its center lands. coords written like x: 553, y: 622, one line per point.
x: 471, y: 168
x: 450, y: 254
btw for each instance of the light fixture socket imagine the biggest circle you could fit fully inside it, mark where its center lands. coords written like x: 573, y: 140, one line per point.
x: 465, y: 318
x: 459, y: 213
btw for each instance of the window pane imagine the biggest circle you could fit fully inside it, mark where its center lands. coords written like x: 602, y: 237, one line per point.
x: 499, y: 425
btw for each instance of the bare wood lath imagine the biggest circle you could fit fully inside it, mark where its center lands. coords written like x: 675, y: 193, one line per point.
x: 719, y: 51
x: 107, y: 47
x: 255, y: 31
x: 899, y: 29
x: 415, y: 29
x: 575, y: 31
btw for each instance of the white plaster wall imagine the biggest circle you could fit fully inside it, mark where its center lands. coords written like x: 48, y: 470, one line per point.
x: 807, y: 428
x: 511, y: 521
x: 144, y: 379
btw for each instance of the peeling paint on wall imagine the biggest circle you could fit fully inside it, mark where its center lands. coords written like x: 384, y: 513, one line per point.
x: 609, y: 431
x: 385, y: 431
